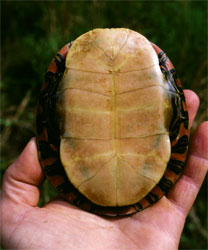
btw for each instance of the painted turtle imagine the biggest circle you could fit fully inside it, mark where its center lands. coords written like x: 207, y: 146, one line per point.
x: 112, y: 123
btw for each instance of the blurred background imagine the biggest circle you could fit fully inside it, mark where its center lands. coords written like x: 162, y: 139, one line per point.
x: 32, y: 33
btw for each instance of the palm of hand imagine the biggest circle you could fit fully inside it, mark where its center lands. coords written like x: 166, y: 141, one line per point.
x: 59, y: 225
x: 79, y: 229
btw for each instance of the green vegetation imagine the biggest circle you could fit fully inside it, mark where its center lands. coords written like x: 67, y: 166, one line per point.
x: 32, y: 33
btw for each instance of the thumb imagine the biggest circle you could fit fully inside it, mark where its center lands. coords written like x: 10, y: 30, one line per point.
x: 22, y: 179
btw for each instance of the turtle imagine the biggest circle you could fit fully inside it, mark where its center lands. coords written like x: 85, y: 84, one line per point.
x: 112, y: 123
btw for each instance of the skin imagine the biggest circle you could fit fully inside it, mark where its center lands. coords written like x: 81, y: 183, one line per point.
x: 60, y: 225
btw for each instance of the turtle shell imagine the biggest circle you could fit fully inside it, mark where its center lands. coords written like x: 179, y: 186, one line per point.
x: 112, y: 123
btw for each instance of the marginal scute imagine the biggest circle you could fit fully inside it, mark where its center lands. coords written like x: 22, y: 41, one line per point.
x: 114, y: 107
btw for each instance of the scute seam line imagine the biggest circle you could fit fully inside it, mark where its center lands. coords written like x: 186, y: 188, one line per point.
x: 122, y: 46
x: 138, y: 173
x: 150, y: 86
x: 82, y: 90
x: 114, y: 93
x: 133, y: 137
x: 97, y: 46
x: 133, y: 90
x: 96, y: 171
x: 116, y: 72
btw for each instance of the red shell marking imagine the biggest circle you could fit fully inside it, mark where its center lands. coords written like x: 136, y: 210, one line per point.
x: 48, y: 140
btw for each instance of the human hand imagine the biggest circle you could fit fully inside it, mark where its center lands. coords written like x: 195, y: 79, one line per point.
x: 60, y: 225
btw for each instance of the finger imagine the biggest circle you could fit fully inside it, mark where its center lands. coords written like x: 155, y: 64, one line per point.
x: 22, y: 179
x: 192, y: 102
x: 187, y: 188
